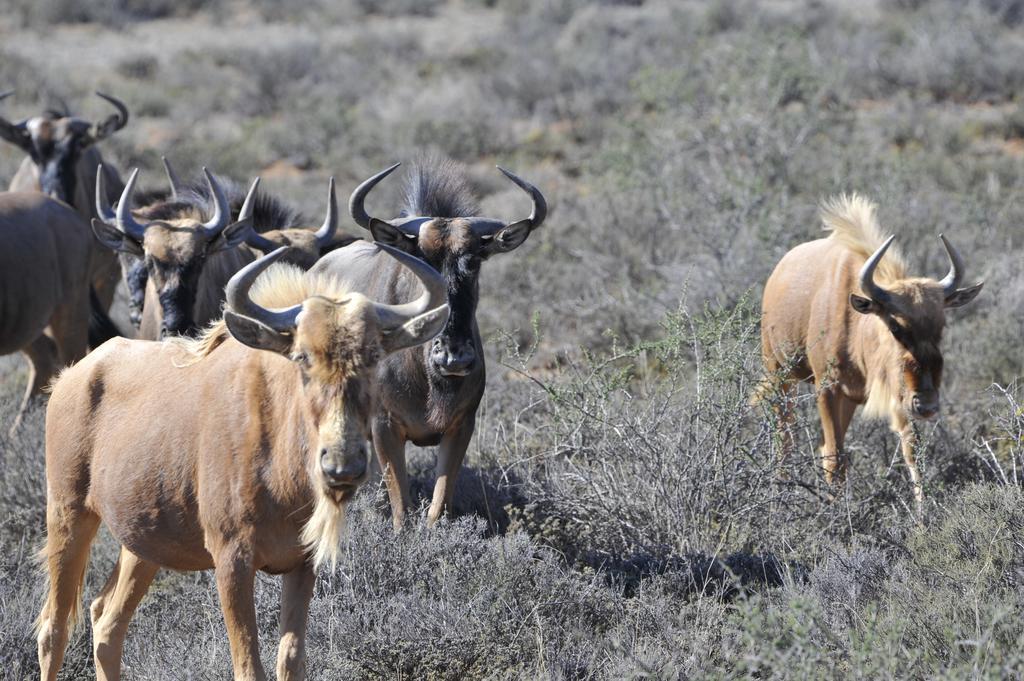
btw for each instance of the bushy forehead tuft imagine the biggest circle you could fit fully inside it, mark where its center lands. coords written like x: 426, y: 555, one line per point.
x: 284, y: 285
x: 437, y: 187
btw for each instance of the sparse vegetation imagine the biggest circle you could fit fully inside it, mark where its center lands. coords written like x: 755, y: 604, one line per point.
x: 623, y: 514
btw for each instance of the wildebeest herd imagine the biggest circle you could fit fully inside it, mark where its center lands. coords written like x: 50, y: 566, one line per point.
x: 296, y: 353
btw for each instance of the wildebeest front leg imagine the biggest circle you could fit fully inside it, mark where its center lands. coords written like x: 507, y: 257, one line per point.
x: 296, y: 592
x: 42, y: 365
x: 235, y: 580
x: 833, y: 458
x: 902, y: 426
x: 449, y: 460
x: 389, y: 446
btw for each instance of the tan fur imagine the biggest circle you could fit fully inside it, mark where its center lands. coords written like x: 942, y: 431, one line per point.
x: 852, y: 222
x: 810, y: 330
x: 231, y: 474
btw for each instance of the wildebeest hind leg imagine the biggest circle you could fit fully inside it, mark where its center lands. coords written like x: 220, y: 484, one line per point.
x: 450, y: 454
x: 69, y: 534
x: 42, y: 365
x: 113, y: 609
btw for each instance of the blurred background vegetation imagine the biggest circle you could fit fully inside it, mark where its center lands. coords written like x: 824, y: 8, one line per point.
x: 622, y: 513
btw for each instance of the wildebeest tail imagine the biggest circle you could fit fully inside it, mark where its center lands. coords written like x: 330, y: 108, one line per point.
x: 852, y: 221
x: 101, y: 327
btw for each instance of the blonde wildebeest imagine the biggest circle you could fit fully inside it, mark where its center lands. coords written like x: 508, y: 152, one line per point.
x: 843, y: 312
x: 44, y: 286
x: 255, y: 479
x: 429, y: 395
x: 61, y: 161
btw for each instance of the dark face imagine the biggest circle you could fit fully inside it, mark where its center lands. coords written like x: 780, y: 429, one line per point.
x: 55, y: 142
x: 915, y: 317
x: 921, y: 363
x: 170, y: 255
x: 56, y: 145
x: 451, y: 246
x: 175, y: 277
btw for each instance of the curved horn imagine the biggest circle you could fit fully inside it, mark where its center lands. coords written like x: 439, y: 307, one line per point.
x: 172, y: 179
x: 255, y: 239
x: 15, y: 133
x: 355, y: 202
x: 325, y: 234
x: 239, y: 302
x: 435, y: 292
x: 221, y: 208
x: 867, y: 274
x: 951, y: 282
x: 103, y: 209
x: 540, y: 206
x: 115, y: 122
x: 125, y: 221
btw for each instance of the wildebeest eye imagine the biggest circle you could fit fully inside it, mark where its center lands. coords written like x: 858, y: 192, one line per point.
x: 301, y: 358
x: 900, y: 333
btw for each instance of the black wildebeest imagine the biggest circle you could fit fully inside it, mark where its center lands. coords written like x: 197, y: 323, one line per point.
x: 44, y: 286
x: 188, y: 261
x: 429, y: 395
x: 61, y: 162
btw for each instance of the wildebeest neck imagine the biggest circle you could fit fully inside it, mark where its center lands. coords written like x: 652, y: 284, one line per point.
x: 57, y: 176
x: 453, y: 248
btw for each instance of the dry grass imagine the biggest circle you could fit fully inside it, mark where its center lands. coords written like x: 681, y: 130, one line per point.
x: 621, y: 515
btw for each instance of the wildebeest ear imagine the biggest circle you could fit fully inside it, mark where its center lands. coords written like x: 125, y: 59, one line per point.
x: 257, y: 334
x: 962, y: 296
x: 864, y: 305
x: 116, y: 240
x: 233, y: 235
x: 388, y: 234
x: 507, y: 239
